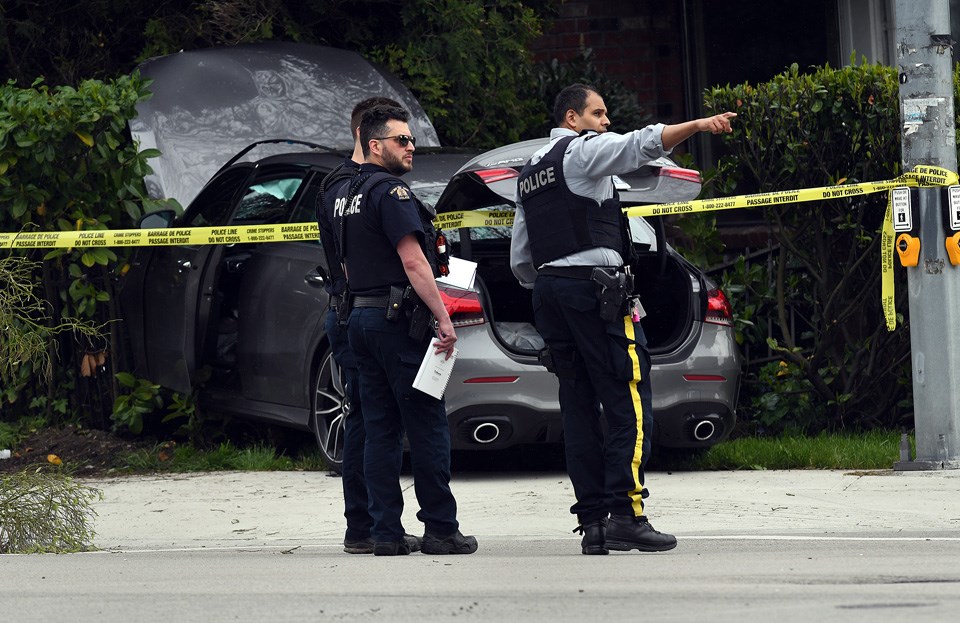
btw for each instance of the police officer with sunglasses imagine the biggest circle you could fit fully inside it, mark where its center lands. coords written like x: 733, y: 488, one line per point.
x: 357, y: 538
x: 387, y: 246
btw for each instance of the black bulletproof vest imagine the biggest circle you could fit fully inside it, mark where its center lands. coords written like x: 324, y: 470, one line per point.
x: 373, y: 264
x: 328, y: 188
x: 560, y: 222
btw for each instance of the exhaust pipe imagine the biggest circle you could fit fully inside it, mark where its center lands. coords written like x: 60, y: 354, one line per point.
x: 486, y: 432
x: 703, y: 430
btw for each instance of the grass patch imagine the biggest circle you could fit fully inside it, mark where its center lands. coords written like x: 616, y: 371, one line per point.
x: 871, y: 450
x: 170, y: 457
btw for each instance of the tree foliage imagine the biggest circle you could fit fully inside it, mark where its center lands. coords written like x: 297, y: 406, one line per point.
x: 465, y: 60
x: 468, y: 64
x: 622, y: 107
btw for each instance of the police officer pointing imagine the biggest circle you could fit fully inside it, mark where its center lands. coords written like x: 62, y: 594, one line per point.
x: 389, y: 251
x: 571, y: 242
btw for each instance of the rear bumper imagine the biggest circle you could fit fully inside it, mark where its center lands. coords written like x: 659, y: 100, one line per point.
x: 693, y: 407
x: 692, y: 425
x: 494, y: 427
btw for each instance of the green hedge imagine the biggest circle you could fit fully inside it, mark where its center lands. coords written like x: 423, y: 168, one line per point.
x: 814, y: 301
x: 67, y: 163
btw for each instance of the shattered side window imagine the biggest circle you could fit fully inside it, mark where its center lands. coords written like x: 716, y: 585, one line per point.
x: 267, y: 201
x: 212, y: 206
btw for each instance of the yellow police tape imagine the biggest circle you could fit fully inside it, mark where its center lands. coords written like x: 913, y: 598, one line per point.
x: 922, y: 175
x: 160, y: 237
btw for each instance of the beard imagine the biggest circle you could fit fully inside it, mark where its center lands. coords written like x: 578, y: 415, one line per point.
x: 395, y: 164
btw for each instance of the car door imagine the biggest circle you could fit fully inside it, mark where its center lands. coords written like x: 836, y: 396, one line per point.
x: 282, y: 302
x: 174, y: 281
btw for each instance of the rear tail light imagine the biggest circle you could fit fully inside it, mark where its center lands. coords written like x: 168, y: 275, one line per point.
x: 686, y: 175
x: 489, y: 176
x: 719, y: 310
x: 463, y: 306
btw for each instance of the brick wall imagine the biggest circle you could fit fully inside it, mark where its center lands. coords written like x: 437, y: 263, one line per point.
x: 637, y: 42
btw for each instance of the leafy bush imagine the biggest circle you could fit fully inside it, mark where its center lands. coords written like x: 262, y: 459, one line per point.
x: 814, y: 299
x: 143, y: 397
x: 25, y: 354
x: 67, y: 163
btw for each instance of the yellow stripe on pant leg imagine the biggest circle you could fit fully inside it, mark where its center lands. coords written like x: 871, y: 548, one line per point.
x: 637, y: 494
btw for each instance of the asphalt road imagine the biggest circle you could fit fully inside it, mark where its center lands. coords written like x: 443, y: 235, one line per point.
x: 784, y: 546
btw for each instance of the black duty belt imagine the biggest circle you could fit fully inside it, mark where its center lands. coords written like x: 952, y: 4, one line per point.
x: 571, y: 272
x: 371, y: 301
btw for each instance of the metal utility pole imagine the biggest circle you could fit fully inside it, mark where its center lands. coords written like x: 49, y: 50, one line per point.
x: 924, y: 57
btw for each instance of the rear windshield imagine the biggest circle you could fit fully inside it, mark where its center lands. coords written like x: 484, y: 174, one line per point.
x: 486, y: 233
x: 428, y: 193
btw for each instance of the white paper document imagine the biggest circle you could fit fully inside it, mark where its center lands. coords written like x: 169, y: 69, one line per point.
x: 434, y: 372
x: 462, y: 274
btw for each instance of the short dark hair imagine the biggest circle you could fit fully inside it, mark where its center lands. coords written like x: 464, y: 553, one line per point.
x: 573, y: 97
x: 373, y: 123
x: 366, y: 105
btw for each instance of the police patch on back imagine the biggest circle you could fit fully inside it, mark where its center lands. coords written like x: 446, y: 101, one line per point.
x: 400, y: 192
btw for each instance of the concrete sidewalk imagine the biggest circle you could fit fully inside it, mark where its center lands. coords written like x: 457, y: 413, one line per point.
x: 289, y: 509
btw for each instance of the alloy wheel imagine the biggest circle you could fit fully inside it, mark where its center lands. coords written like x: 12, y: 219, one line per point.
x: 330, y: 406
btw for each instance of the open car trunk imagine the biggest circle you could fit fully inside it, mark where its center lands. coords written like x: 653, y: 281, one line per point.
x: 670, y: 296
x: 671, y: 290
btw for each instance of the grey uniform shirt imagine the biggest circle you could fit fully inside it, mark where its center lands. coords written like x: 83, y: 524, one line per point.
x: 588, y: 165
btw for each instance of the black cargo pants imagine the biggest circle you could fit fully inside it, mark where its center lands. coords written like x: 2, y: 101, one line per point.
x: 598, y: 363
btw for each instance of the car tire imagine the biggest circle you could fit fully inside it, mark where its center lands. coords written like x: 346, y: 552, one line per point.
x: 329, y: 406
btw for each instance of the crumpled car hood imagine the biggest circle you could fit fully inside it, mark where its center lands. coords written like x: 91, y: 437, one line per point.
x: 208, y: 105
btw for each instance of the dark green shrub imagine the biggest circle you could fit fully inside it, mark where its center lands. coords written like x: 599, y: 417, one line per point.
x: 67, y: 163
x: 815, y: 299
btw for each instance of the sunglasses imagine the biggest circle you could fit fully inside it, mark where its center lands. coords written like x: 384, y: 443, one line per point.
x: 402, y: 139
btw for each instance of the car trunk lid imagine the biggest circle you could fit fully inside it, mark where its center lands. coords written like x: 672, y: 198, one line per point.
x: 672, y: 292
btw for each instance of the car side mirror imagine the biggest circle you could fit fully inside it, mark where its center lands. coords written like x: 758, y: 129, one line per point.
x: 157, y: 220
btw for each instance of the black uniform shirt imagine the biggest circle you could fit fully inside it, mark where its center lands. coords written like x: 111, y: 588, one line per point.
x: 372, y: 234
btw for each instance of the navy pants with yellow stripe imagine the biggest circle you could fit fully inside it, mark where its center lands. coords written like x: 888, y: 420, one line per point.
x: 598, y: 363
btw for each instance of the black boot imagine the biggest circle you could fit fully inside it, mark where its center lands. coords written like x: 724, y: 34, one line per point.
x: 625, y: 533
x: 455, y: 543
x: 594, y: 536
